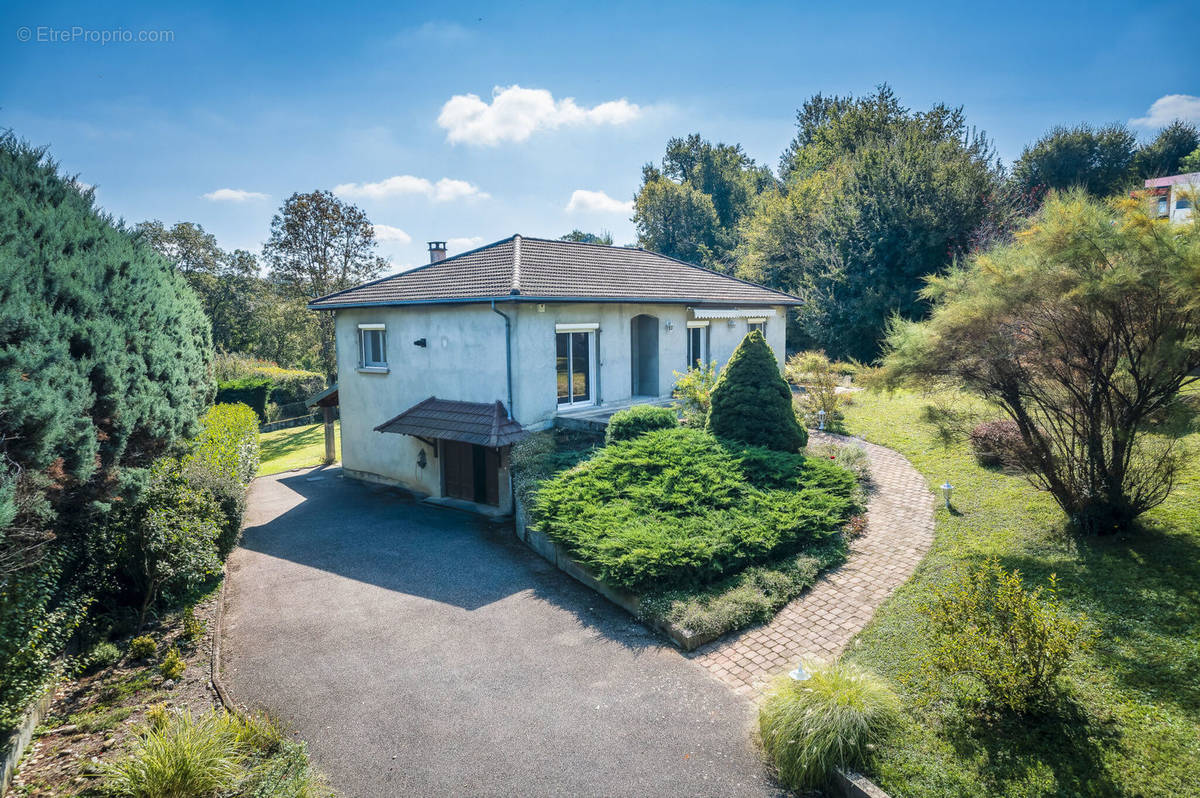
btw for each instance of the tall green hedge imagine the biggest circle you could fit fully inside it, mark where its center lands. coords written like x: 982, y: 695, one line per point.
x: 104, y: 356
x: 752, y: 403
x: 253, y: 392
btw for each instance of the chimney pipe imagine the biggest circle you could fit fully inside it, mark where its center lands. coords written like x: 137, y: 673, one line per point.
x: 437, y: 251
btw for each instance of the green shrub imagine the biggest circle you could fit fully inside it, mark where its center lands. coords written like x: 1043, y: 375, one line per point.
x: 541, y: 455
x: 35, y: 624
x: 142, y: 647
x: 165, y: 537
x: 228, y: 442
x: 178, y: 756
x: 808, y: 728
x: 103, y: 351
x: 286, y: 774
x: 250, y: 391
x: 852, y: 458
x: 637, y: 420
x: 193, y: 627
x: 173, y: 665
x: 674, y: 509
x: 819, y: 379
x: 693, y: 389
x: 751, y: 402
x: 183, y: 757
x: 101, y: 655
x: 752, y: 596
x: 994, y: 641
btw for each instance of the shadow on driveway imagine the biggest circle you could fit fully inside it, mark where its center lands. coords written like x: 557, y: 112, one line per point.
x: 423, y: 651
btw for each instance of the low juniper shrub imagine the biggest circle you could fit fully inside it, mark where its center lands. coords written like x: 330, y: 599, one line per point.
x: 638, y: 420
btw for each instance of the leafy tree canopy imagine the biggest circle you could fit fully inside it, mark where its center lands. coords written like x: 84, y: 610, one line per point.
x: 877, y: 197
x: 604, y: 237
x: 319, y: 245
x: 1165, y: 154
x: 691, y: 208
x: 1098, y: 160
x: 1082, y: 331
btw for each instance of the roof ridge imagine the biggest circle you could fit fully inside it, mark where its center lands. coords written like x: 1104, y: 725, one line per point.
x: 413, y: 270
x: 516, y: 272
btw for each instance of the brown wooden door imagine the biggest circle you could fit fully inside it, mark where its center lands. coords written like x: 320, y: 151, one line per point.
x: 458, y: 470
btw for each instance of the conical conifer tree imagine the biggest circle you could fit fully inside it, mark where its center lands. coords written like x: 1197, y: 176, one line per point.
x: 752, y: 403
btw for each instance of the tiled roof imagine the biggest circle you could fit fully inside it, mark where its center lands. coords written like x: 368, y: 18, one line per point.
x: 536, y: 269
x: 469, y: 422
x: 1173, y: 180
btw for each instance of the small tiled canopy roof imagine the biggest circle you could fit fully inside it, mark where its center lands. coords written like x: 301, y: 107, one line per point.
x: 468, y: 422
x: 520, y: 269
x: 326, y: 398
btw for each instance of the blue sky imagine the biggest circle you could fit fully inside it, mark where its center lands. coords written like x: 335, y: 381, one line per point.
x: 410, y: 110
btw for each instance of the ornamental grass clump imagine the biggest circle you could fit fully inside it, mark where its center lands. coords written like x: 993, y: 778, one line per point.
x: 810, y: 728
x: 179, y: 757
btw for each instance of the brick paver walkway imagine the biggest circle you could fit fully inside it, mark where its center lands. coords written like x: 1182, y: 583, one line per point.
x: 820, y: 623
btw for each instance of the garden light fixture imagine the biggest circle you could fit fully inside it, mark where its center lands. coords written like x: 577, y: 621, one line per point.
x: 800, y: 675
x: 947, y: 489
x: 821, y: 419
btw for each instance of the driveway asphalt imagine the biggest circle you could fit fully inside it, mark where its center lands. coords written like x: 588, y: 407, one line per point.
x: 421, y: 651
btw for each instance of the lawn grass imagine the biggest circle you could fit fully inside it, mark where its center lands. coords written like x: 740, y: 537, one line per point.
x: 296, y: 447
x: 1129, y: 723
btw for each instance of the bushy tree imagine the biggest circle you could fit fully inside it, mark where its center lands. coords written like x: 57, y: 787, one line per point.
x: 319, y: 245
x: 103, y: 366
x: 752, y: 403
x: 1165, y: 154
x: 691, y: 208
x: 877, y: 197
x: 250, y: 314
x: 1098, y: 160
x: 1083, y: 331
x: 103, y: 347
x: 603, y: 237
x: 1191, y: 163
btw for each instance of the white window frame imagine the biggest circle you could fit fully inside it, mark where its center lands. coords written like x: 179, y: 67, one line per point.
x: 704, y: 343
x: 372, y: 367
x: 591, y: 328
x: 757, y: 323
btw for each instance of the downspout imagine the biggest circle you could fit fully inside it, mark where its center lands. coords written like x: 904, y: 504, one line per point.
x: 507, y: 353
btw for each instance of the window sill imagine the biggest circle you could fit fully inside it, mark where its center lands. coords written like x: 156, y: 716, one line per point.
x: 373, y: 369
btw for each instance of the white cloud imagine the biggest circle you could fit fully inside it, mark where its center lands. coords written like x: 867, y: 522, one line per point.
x: 438, y: 32
x: 463, y: 244
x: 444, y: 190
x: 1168, y: 108
x: 596, y: 202
x: 233, y: 195
x: 516, y: 113
x: 385, y: 232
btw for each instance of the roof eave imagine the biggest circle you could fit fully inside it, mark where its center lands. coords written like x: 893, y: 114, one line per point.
x: 783, y: 299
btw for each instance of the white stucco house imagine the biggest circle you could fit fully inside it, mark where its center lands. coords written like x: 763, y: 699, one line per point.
x: 1174, y: 195
x: 464, y: 355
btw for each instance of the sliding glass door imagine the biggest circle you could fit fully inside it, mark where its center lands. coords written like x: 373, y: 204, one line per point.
x: 574, y: 363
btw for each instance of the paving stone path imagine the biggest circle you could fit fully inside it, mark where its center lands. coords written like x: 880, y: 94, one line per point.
x: 820, y: 623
